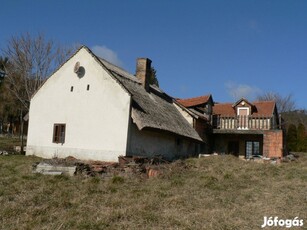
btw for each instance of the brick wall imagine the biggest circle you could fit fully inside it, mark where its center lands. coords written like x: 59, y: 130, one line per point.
x: 273, y: 143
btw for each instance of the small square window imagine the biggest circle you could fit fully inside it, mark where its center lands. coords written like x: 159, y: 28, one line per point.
x: 59, y: 133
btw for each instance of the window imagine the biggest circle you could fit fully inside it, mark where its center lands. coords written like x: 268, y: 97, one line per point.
x: 88, y: 87
x: 71, y: 88
x: 242, y: 111
x: 252, y: 148
x: 59, y: 133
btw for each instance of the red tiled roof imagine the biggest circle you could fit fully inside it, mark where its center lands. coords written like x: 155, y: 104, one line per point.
x: 189, y: 102
x: 262, y: 108
x: 224, y: 109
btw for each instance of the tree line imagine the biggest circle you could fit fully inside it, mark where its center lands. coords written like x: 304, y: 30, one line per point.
x: 297, y: 138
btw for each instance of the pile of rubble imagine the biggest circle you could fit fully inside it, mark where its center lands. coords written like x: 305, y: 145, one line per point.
x: 261, y: 159
x: 126, y: 166
x: 290, y: 157
x: 274, y: 160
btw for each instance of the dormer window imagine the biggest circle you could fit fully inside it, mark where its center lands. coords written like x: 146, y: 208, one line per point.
x: 243, y: 107
x: 243, y: 111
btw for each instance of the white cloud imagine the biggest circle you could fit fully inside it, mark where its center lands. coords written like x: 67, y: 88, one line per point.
x: 108, y: 54
x: 237, y: 91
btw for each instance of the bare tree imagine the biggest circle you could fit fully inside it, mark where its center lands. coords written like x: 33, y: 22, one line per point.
x: 283, y: 103
x: 30, y: 61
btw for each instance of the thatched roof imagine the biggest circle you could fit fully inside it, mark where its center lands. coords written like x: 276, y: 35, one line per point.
x: 153, y: 109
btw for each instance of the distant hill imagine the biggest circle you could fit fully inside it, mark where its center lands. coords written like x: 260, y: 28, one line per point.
x: 295, y: 117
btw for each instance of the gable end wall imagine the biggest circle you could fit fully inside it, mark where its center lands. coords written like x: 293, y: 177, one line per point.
x: 96, y: 119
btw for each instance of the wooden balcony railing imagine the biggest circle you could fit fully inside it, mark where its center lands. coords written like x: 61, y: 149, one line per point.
x: 246, y: 122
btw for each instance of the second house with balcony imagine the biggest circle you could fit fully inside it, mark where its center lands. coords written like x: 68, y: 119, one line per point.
x: 247, y: 129
x: 244, y: 129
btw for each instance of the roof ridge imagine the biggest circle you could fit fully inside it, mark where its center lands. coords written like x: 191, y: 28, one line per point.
x: 265, y: 101
x: 226, y: 103
x: 223, y: 103
x: 207, y: 95
x: 108, y: 62
x: 124, y: 73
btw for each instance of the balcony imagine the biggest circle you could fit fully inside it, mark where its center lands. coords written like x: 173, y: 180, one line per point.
x: 245, y: 122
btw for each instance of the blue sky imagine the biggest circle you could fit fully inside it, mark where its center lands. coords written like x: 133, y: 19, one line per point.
x: 227, y: 48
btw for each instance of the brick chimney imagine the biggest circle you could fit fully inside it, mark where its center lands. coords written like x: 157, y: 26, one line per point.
x: 143, y: 66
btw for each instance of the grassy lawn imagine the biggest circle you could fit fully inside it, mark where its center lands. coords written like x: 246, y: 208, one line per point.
x: 220, y: 192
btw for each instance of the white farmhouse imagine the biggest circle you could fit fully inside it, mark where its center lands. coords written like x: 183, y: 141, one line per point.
x: 93, y: 110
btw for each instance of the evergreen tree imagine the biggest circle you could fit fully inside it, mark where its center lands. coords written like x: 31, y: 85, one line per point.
x: 301, y: 138
x: 153, y: 77
x: 292, y: 138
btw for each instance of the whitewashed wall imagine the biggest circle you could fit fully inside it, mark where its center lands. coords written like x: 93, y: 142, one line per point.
x: 96, y: 119
x: 150, y: 143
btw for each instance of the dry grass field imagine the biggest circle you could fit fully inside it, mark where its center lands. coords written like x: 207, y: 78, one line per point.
x: 218, y: 192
